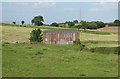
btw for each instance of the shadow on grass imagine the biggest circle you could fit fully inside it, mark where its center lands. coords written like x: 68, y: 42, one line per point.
x: 106, y: 50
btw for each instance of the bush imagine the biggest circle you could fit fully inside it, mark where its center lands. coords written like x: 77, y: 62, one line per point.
x: 77, y: 42
x: 54, y: 24
x: 36, y: 36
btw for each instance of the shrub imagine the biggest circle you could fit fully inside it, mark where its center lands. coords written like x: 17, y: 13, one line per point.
x: 54, y: 24
x: 77, y: 42
x: 17, y: 42
x: 82, y: 75
x: 36, y: 36
x: 92, y: 50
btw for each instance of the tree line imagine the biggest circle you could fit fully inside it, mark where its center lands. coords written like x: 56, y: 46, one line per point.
x: 38, y: 21
x: 114, y: 23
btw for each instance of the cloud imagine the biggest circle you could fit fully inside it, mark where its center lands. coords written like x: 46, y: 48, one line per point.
x: 104, y: 6
x: 35, y: 5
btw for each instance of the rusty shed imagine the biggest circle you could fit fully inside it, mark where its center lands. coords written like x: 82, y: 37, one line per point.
x: 60, y: 36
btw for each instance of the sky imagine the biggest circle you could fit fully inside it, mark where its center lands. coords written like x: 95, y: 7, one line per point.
x: 59, y: 11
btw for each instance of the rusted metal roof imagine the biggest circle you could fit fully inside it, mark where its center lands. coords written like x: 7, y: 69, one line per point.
x: 61, y: 31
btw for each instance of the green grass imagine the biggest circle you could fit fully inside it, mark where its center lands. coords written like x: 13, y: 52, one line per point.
x: 41, y: 27
x: 97, y: 37
x: 21, y: 34
x: 0, y: 60
x: 97, y: 32
x: 97, y: 59
x: 56, y: 60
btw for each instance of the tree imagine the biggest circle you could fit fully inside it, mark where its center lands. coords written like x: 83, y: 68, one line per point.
x: 70, y: 24
x: 36, y: 36
x: 84, y: 25
x: 14, y: 22
x: 75, y: 21
x: 37, y: 20
x: 100, y: 24
x: 114, y: 23
x: 78, y: 26
x: 92, y: 25
x: 117, y: 22
x: 54, y: 24
x: 22, y: 22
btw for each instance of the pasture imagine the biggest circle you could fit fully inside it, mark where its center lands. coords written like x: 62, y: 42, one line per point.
x: 97, y: 59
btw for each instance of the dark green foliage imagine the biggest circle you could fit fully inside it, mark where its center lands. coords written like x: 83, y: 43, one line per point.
x: 92, y: 25
x: 38, y: 53
x: 37, y: 20
x: 81, y: 46
x: 118, y: 50
x: 92, y: 50
x: 78, y: 26
x: 100, y: 24
x: 82, y: 75
x: 36, y: 36
x: 6, y: 43
x: 84, y: 24
x: 14, y: 22
x: 105, y: 50
x: 75, y: 21
x: 17, y: 42
x: 77, y: 42
x: 22, y: 22
x: 70, y: 24
x: 115, y: 23
x: 54, y: 24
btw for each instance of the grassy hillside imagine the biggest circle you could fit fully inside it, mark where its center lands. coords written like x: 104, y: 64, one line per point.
x: 97, y: 59
x: 21, y: 33
x: 14, y: 33
x: 56, y: 60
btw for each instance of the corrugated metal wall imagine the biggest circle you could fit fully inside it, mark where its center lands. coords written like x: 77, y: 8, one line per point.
x: 59, y: 38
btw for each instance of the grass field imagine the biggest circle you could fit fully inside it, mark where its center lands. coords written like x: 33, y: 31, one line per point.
x: 97, y: 59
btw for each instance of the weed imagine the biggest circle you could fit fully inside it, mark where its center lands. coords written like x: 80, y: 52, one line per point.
x: 82, y: 75
x: 38, y: 53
